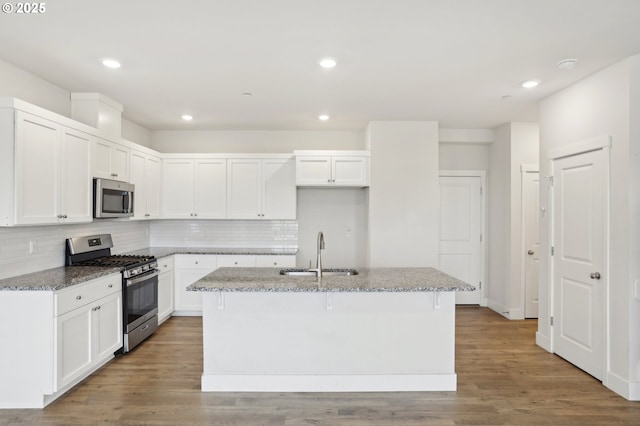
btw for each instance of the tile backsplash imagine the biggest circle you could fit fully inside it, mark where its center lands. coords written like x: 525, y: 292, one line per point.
x: 225, y: 233
x: 35, y: 248
x: 30, y: 249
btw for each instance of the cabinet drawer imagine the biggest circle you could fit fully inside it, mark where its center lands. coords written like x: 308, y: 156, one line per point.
x: 276, y: 261
x: 108, y: 285
x: 74, y: 297
x: 165, y: 264
x: 237, y: 261
x: 196, y: 261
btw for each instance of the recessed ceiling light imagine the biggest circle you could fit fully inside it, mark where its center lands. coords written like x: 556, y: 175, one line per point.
x: 111, y: 63
x: 567, y: 64
x: 328, y: 63
x: 529, y: 84
x: 323, y: 117
x: 187, y: 117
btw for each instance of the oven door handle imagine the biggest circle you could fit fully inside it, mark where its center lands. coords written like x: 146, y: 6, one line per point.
x: 145, y: 277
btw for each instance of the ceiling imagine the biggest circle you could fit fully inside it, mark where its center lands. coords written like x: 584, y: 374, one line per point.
x: 450, y: 61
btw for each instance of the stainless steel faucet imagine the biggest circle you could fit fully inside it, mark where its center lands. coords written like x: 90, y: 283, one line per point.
x: 319, y: 258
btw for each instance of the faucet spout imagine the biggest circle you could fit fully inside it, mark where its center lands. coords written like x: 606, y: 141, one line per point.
x: 319, y: 254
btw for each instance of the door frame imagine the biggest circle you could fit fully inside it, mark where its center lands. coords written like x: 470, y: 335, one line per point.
x: 594, y: 144
x: 484, y: 267
x: 524, y: 169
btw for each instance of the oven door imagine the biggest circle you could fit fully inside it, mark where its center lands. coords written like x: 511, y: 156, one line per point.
x: 140, y: 299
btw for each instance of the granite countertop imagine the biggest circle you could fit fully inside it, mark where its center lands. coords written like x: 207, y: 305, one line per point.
x: 56, y: 278
x: 367, y: 280
x: 168, y: 251
x: 66, y: 276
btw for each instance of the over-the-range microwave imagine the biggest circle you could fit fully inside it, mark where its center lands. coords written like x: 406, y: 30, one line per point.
x: 112, y: 198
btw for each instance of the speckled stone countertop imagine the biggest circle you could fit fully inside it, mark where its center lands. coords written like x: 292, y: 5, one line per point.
x: 367, y: 280
x: 168, y: 251
x: 55, y: 279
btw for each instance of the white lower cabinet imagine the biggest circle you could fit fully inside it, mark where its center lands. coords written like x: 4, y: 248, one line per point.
x: 165, y: 288
x: 276, y: 261
x: 89, y: 334
x: 189, y: 268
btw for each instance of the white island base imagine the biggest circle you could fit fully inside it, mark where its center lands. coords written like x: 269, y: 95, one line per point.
x: 328, y: 341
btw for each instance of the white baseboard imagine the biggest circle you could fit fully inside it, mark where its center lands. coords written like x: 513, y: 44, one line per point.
x: 516, y: 314
x: 187, y: 313
x: 624, y: 388
x: 543, y: 341
x: 498, y: 307
x: 329, y: 383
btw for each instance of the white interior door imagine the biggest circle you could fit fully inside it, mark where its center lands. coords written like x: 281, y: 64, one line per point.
x: 460, y: 233
x: 531, y: 181
x: 579, y: 209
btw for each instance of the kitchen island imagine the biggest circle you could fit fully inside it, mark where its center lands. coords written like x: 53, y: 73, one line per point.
x: 385, y: 329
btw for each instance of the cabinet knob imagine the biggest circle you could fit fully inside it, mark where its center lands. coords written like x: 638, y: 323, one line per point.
x: 196, y: 262
x: 275, y: 263
x: 78, y: 297
x: 235, y: 263
x: 195, y: 214
x: 110, y: 285
x: 329, y: 180
x: 65, y: 216
x: 334, y: 181
x: 166, y: 266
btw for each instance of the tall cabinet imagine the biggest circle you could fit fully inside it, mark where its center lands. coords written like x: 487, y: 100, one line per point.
x: 46, y: 172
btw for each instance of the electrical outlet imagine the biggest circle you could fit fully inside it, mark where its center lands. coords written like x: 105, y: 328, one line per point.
x: 33, y: 246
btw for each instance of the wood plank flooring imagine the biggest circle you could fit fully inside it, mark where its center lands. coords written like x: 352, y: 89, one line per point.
x: 503, y: 379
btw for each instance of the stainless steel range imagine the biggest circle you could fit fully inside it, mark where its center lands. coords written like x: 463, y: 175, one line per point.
x: 139, y: 283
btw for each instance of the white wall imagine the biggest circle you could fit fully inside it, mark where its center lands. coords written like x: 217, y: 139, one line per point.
x: 256, y: 141
x: 605, y: 103
x: 18, y: 83
x: 404, y: 197
x: 464, y: 156
x: 516, y: 144
x: 342, y: 216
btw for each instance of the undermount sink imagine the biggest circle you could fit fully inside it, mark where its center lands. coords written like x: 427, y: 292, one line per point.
x: 314, y: 273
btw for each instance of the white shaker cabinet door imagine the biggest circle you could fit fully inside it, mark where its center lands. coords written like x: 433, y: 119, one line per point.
x: 74, y: 346
x: 37, y: 174
x: 211, y: 189
x: 313, y: 171
x: 153, y: 178
x: 107, y: 326
x: 350, y: 171
x: 76, y: 188
x: 244, y: 193
x: 278, y: 189
x: 178, y: 189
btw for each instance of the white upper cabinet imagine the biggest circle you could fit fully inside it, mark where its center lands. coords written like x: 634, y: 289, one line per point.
x: 194, y: 188
x: 145, y: 174
x: 261, y: 189
x: 110, y: 160
x: 52, y: 174
x: 332, y: 168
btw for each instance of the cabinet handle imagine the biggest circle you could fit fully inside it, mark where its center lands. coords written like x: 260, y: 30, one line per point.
x: 78, y: 297
x: 110, y: 285
x: 147, y: 215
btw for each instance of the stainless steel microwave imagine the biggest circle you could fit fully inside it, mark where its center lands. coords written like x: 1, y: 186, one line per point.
x: 112, y: 198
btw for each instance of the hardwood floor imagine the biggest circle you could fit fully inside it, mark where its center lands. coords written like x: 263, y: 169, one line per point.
x: 503, y: 379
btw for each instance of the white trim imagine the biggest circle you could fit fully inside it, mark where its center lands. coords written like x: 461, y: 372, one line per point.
x: 580, y: 147
x: 499, y: 308
x: 328, y: 383
x: 620, y: 385
x: 543, y: 341
x: 599, y: 143
x: 524, y: 169
x: 530, y: 168
x: 484, y: 260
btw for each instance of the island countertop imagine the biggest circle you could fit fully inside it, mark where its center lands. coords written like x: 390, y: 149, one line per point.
x: 367, y: 280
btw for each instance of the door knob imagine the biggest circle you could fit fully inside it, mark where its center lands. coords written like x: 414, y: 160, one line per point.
x: 530, y: 252
x: 595, y: 275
